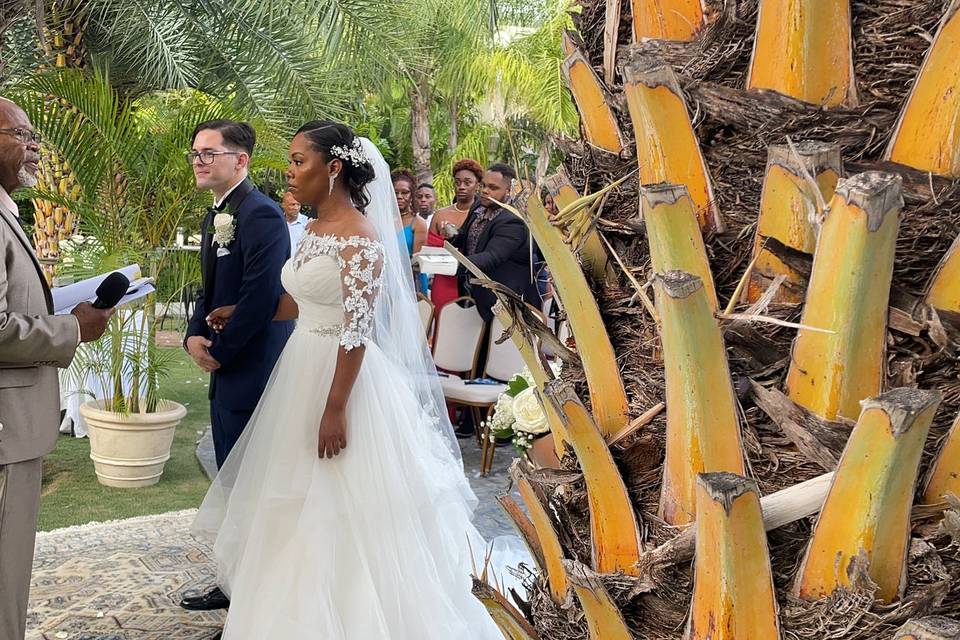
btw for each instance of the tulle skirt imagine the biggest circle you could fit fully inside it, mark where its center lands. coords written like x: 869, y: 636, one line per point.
x: 373, y: 544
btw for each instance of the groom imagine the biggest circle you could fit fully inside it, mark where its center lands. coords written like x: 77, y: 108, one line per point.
x: 244, y: 244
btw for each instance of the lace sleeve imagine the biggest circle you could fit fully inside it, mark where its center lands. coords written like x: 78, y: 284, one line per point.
x: 361, y: 275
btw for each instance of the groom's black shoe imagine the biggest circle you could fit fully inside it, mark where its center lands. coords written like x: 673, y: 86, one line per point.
x: 212, y: 599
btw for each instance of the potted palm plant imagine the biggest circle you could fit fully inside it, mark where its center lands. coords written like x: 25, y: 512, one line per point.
x: 133, y: 192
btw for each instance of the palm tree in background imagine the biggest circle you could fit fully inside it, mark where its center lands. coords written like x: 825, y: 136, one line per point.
x: 266, y: 58
x: 281, y: 62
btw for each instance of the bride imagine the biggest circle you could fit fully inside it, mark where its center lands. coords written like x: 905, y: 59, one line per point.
x: 343, y: 512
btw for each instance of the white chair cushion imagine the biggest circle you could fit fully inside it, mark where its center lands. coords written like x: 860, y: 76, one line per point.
x: 455, y: 390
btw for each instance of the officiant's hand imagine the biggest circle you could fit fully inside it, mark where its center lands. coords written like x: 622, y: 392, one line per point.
x: 219, y: 317
x: 92, y: 321
x: 333, y: 433
x: 198, y: 348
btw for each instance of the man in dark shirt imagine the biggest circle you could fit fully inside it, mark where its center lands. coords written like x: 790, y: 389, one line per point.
x: 496, y: 241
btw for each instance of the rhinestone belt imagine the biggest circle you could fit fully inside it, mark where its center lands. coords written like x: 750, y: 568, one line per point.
x: 330, y: 331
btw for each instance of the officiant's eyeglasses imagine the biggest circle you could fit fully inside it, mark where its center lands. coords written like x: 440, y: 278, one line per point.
x: 207, y: 157
x: 23, y: 135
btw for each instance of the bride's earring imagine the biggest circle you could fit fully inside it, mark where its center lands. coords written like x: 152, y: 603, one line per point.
x: 333, y: 181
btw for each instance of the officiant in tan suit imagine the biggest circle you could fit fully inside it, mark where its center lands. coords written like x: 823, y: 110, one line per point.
x: 33, y: 343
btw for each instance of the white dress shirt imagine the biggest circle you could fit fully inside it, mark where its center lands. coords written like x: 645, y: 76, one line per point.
x: 219, y: 201
x: 297, y: 228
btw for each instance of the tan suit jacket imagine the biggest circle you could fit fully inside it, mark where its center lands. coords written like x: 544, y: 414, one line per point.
x: 33, y: 343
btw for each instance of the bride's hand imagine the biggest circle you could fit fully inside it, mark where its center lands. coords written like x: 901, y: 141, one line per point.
x: 333, y: 434
x: 219, y: 317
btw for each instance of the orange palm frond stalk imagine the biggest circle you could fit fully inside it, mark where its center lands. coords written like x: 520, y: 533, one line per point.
x: 614, y: 534
x: 865, y: 522
x: 926, y: 136
x: 944, y: 290
x: 781, y: 508
x: 667, y: 19
x: 667, y: 148
x: 733, y: 593
x: 676, y: 243
x: 604, y: 620
x: 787, y: 208
x: 592, y: 252
x: 607, y: 395
x: 599, y: 122
x: 523, y: 525
x: 510, y: 621
x: 551, y: 551
x: 804, y: 49
x: 945, y: 475
x: 849, y: 290
x: 703, y: 433
x: 930, y: 628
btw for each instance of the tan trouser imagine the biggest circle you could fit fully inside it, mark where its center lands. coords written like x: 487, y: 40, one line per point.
x: 19, y: 505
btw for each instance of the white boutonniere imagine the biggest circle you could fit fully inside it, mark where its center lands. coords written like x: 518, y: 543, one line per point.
x: 224, y: 227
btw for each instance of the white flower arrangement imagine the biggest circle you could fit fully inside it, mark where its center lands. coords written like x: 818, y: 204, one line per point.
x: 518, y: 414
x: 355, y: 154
x: 224, y: 228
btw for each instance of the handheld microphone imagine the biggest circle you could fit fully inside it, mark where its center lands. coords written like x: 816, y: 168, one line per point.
x: 111, y: 290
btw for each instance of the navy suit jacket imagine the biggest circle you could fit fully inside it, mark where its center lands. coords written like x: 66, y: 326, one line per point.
x: 503, y: 253
x: 248, y: 277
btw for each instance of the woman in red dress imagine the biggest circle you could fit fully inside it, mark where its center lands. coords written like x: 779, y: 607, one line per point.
x: 467, y: 175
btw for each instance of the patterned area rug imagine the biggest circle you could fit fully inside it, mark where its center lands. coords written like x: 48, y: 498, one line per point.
x: 121, y: 581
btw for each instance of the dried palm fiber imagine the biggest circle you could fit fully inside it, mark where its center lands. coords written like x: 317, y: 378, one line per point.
x: 735, y: 128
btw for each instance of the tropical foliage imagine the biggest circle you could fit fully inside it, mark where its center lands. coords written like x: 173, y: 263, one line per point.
x: 134, y: 191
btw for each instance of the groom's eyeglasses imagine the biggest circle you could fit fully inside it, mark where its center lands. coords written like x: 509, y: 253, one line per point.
x: 207, y: 157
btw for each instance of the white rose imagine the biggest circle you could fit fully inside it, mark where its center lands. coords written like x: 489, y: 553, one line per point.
x: 222, y: 221
x: 528, y: 413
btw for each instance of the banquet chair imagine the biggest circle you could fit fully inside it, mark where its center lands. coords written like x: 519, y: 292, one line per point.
x: 457, y: 337
x: 427, y: 312
x: 503, y: 362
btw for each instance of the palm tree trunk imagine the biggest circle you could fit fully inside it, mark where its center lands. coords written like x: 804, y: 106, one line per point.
x: 454, y: 138
x: 420, y: 119
x: 65, y: 25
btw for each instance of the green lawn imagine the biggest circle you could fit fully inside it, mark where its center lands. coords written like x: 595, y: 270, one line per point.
x: 72, y: 495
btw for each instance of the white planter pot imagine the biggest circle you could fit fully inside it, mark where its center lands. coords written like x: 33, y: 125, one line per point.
x: 129, y: 451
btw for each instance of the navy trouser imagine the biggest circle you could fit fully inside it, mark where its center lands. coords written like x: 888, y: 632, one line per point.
x: 227, y: 426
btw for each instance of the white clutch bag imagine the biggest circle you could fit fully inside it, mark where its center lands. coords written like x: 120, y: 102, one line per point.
x: 436, y: 261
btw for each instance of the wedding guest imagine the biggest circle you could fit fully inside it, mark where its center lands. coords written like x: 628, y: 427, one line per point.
x: 244, y: 246
x: 467, y: 175
x: 296, y: 220
x: 414, y: 227
x: 496, y: 241
x: 33, y: 344
x: 426, y: 201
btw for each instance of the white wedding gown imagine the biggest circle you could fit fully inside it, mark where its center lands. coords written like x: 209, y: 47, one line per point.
x: 369, y: 545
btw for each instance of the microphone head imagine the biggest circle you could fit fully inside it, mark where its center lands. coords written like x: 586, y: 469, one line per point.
x: 113, y: 287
